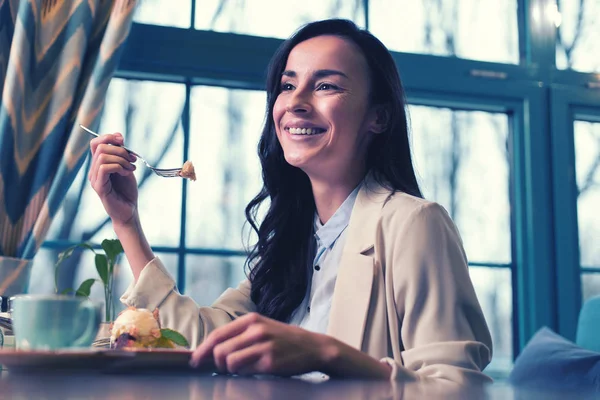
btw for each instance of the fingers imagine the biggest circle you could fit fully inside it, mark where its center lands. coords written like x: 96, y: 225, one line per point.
x: 106, y: 150
x: 108, y: 144
x: 254, y: 334
x: 108, y: 158
x: 111, y: 138
x: 256, y: 359
x: 102, y: 178
x: 101, y: 162
x: 222, y: 334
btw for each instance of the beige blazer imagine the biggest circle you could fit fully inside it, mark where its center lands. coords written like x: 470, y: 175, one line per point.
x: 403, y: 292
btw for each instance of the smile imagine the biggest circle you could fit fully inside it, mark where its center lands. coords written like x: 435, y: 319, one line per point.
x: 305, y: 131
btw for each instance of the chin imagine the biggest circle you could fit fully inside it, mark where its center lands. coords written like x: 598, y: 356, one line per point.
x: 297, y: 162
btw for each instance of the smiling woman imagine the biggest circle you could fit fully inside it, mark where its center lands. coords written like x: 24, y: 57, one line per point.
x: 322, y: 116
x: 354, y: 274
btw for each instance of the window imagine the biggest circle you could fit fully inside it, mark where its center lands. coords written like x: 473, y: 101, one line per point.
x: 208, y: 276
x: 272, y: 18
x: 225, y: 128
x: 577, y: 35
x: 462, y: 161
x: 175, y: 13
x: 130, y: 107
x: 587, y: 159
x: 474, y: 29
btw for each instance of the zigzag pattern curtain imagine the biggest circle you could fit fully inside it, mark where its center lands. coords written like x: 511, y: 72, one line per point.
x: 56, y: 60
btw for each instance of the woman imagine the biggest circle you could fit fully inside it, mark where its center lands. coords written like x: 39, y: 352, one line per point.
x: 354, y: 274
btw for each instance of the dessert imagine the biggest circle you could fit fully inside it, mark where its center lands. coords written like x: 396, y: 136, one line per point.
x: 138, y: 328
x: 187, y: 171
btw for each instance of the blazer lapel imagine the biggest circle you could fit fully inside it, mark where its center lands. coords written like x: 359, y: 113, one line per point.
x: 352, y: 293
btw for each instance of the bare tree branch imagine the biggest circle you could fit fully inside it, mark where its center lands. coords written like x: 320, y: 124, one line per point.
x: 455, y: 158
x: 356, y: 8
x: 578, y: 30
x: 217, y: 14
x: 589, y: 181
x: 231, y: 182
x: 450, y: 28
x: 438, y: 17
x: 502, y: 138
x: 428, y: 26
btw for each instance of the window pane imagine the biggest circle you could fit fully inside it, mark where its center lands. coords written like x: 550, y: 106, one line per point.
x: 271, y: 18
x: 164, y: 12
x: 131, y: 108
x: 587, y: 159
x: 225, y: 129
x: 494, y: 291
x: 207, y: 277
x: 577, y: 45
x: 461, y: 158
x: 474, y: 29
x: 590, y: 285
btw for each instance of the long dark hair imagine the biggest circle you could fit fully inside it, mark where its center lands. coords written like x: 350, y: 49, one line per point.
x: 278, y: 262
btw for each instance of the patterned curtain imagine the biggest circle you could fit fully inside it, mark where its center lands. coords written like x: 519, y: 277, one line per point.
x: 56, y: 60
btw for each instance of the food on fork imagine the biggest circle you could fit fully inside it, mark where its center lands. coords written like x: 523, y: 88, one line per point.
x: 138, y: 328
x: 187, y: 171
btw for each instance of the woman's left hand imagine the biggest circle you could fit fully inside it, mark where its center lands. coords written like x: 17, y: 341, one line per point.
x: 254, y: 344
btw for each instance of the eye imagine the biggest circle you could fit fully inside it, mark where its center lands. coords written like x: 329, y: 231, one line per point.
x: 326, y: 86
x: 286, y: 87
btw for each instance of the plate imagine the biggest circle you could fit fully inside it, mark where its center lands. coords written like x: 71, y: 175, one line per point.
x: 102, y: 360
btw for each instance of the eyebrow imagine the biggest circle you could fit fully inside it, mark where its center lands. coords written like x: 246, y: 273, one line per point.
x: 318, y: 74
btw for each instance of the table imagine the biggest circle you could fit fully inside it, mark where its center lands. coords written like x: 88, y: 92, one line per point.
x: 222, y: 387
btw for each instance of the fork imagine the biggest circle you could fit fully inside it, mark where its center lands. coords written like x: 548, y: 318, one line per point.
x: 165, y: 173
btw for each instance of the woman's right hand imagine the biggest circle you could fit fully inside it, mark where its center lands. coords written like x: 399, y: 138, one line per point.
x: 111, y: 176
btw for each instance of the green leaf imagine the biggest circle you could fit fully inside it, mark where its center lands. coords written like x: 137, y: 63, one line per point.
x: 175, y: 337
x: 62, y: 256
x: 163, y: 343
x: 67, y: 291
x: 83, y: 245
x: 102, y: 267
x: 112, y: 248
x: 85, y: 288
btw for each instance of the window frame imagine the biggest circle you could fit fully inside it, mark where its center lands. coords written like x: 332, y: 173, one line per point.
x: 568, y: 104
x: 531, y: 252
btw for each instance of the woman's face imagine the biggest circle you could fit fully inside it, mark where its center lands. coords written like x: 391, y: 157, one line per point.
x: 322, y: 115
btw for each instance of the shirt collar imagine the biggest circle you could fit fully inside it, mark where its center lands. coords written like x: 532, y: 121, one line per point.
x: 327, y: 234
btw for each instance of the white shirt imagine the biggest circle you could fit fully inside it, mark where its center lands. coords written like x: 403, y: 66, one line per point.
x: 313, y: 312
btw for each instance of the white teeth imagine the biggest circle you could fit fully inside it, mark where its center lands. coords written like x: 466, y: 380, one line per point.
x: 303, y: 131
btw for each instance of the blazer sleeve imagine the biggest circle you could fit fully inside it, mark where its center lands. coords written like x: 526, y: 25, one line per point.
x: 443, y: 331
x: 156, y: 288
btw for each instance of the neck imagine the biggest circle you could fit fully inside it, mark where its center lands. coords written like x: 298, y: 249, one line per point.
x: 329, y: 195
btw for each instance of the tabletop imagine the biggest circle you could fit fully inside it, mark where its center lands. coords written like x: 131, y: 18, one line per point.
x: 223, y: 387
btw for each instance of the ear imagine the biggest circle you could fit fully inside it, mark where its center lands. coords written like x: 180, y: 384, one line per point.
x: 380, y: 118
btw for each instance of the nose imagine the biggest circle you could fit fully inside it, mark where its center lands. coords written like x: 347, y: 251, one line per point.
x: 299, y: 103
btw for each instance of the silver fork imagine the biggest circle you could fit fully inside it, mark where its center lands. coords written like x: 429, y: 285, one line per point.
x: 165, y: 173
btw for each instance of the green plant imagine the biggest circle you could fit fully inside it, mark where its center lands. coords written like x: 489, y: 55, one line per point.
x: 105, y: 265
